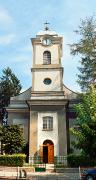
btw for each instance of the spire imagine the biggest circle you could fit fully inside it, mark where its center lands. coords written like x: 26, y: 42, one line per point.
x: 46, y: 26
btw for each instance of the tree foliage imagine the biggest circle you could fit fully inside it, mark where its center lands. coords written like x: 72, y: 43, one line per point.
x: 9, y: 85
x: 85, y: 125
x: 86, y: 47
x: 11, y: 137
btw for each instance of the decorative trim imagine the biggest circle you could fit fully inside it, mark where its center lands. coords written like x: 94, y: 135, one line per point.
x: 47, y: 93
x: 46, y: 67
x: 47, y: 102
x: 18, y: 110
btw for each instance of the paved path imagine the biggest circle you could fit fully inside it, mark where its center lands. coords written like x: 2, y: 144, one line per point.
x: 10, y: 174
x: 49, y: 176
x: 54, y: 176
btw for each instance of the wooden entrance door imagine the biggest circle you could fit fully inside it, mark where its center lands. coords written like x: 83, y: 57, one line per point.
x: 48, y: 152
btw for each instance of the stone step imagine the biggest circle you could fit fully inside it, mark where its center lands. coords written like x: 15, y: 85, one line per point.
x: 50, y: 168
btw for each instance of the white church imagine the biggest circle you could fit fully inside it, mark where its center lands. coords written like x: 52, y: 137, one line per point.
x: 44, y: 111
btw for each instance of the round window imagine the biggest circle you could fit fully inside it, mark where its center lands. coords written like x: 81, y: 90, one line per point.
x: 47, y: 81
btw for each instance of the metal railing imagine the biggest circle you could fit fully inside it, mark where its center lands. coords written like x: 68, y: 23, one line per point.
x: 35, y: 160
x: 60, y: 161
x: 37, y: 163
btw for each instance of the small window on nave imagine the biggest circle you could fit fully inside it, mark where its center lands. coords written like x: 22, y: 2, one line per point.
x: 46, y: 57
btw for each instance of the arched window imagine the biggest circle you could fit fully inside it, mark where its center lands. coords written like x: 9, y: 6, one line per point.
x: 46, y: 57
x: 48, y: 123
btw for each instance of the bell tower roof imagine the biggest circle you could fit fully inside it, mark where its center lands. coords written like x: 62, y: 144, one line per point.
x: 47, y: 31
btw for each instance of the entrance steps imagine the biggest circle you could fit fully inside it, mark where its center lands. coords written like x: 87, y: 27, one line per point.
x: 50, y: 167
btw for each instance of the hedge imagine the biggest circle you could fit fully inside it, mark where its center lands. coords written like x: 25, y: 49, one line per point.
x: 12, y: 160
x: 76, y: 160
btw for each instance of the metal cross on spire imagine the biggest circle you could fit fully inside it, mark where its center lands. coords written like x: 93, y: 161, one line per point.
x: 46, y: 26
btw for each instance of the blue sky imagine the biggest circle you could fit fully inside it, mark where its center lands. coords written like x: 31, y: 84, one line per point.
x: 20, y: 20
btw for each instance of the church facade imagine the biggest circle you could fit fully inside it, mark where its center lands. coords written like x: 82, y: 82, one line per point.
x: 44, y: 110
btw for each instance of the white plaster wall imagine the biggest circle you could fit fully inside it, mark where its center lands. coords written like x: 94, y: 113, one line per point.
x: 48, y: 135
x: 39, y: 77
x: 39, y: 49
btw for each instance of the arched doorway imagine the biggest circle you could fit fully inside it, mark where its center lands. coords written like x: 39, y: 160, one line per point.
x: 48, y: 151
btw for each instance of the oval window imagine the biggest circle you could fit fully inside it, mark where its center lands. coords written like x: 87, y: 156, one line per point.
x: 47, y: 81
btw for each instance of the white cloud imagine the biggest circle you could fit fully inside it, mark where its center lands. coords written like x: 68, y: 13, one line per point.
x: 7, y: 39
x: 5, y: 17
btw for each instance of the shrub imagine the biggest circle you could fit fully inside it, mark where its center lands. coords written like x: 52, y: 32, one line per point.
x: 12, y: 160
x: 12, y: 139
x: 76, y: 160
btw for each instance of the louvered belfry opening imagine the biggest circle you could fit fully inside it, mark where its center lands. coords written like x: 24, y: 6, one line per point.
x: 46, y: 57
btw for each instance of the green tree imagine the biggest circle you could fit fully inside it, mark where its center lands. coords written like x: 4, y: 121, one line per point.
x: 85, y: 125
x: 86, y: 47
x: 11, y: 138
x: 9, y: 86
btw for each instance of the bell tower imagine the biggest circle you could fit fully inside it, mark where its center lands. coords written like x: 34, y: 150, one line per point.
x: 47, y: 71
x: 47, y: 126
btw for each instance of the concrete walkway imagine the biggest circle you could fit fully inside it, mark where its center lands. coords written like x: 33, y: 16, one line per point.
x: 54, y: 176
x: 48, y: 176
x: 11, y: 174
